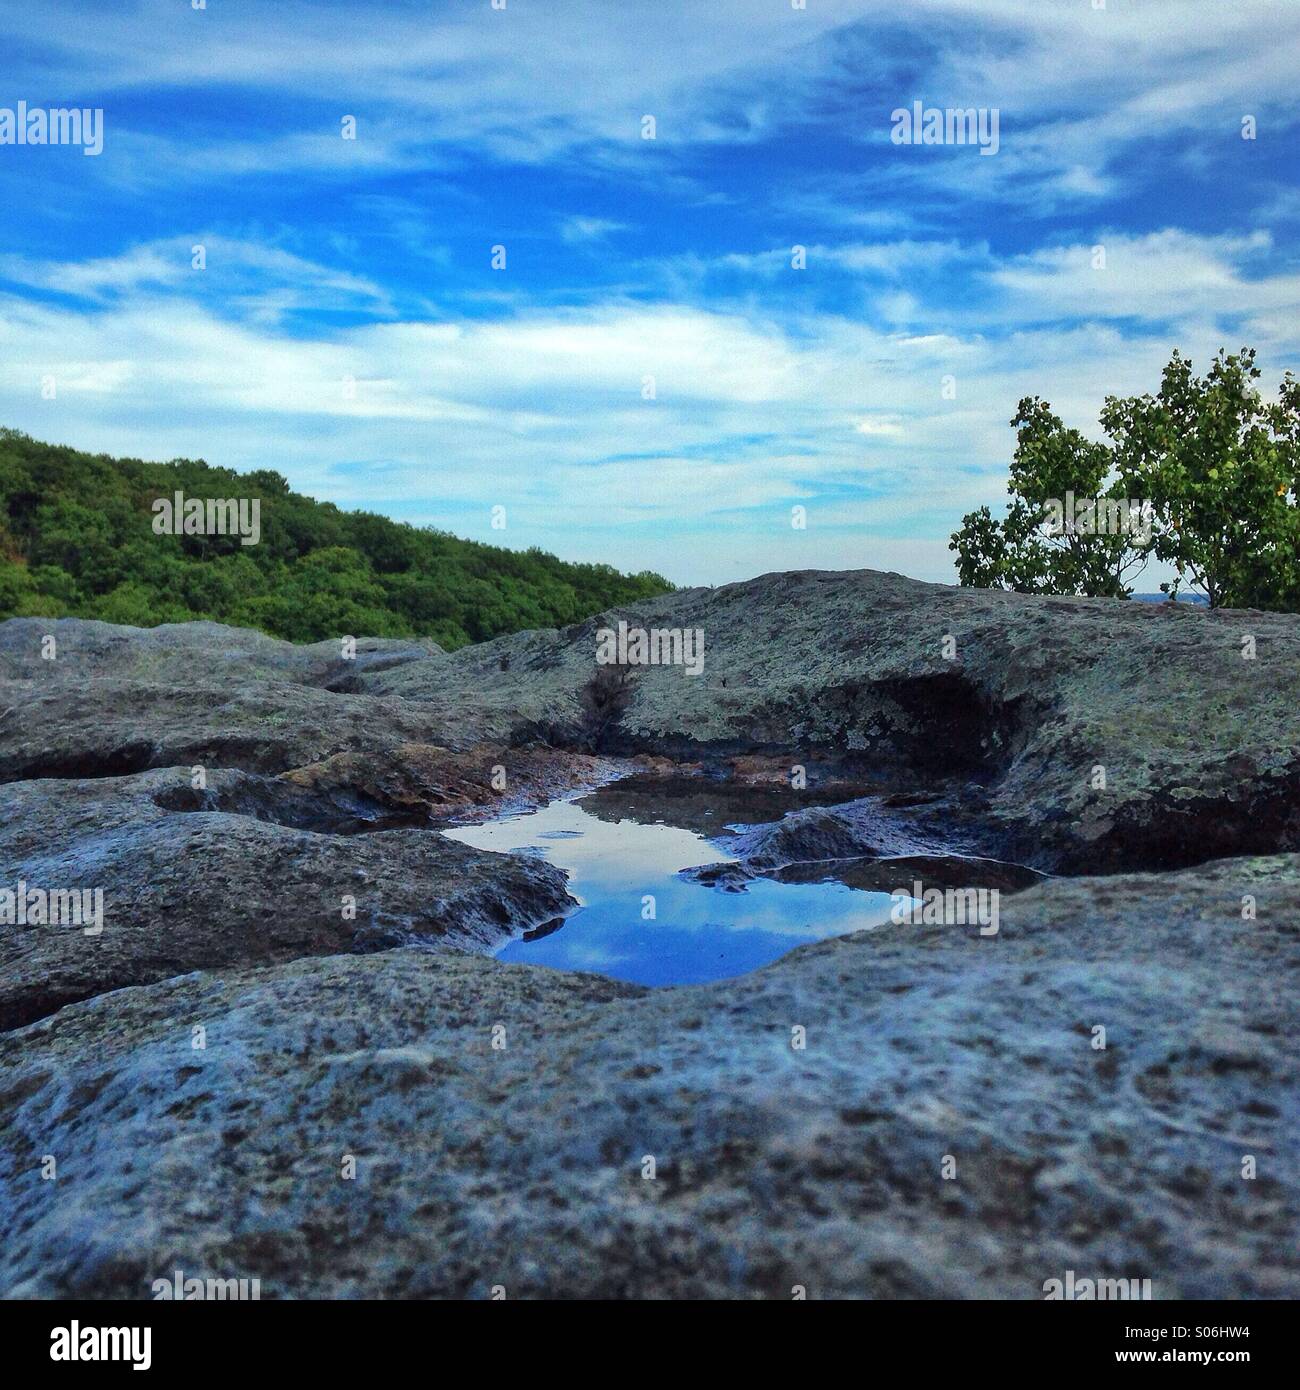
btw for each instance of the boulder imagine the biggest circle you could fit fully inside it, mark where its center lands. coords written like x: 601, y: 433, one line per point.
x: 1101, y: 734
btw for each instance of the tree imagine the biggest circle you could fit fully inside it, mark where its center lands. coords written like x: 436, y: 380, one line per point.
x: 15, y: 587
x: 1037, y: 548
x: 76, y: 539
x: 1212, y: 470
x: 1220, y: 466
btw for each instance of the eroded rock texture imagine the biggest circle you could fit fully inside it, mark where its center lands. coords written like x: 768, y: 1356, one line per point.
x: 523, y: 1165
x: 371, y: 1035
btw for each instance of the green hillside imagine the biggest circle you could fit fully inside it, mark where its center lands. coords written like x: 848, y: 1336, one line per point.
x: 77, y: 539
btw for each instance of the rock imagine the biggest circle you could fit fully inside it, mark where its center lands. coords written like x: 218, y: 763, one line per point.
x: 1200, y: 747
x: 522, y: 1165
x: 182, y: 653
x: 868, y: 826
x: 259, y: 877
x: 116, y: 700
x: 877, y: 843
x: 423, y: 782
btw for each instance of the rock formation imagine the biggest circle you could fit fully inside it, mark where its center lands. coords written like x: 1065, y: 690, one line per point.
x: 229, y: 792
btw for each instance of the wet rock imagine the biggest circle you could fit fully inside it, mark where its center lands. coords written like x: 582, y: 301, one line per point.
x: 849, y: 831
x: 876, y: 843
x: 252, y: 869
x: 1198, y: 747
x: 711, y: 805
x: 425, y: 783
x: 522, y: 1164
x: 884, y: 874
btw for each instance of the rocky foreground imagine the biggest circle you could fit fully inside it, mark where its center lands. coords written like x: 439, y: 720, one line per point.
x: 209, y: 1070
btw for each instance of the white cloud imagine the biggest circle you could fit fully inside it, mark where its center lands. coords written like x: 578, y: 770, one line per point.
x: 256, y: 277
x: 1164, y: 275
x: 1076, y: 86
x: 879, y: 426
x: 577, y: 229
x: 543, y: 410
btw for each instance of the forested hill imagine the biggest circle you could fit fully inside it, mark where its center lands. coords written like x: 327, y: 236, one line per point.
x: 77, y: 539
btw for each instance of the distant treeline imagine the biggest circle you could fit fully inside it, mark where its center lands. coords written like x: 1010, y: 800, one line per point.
x: 77, y: 539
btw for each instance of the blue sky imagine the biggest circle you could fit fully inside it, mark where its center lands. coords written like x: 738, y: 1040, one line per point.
x: 349, y: 328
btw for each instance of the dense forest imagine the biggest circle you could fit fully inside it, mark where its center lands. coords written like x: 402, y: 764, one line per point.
x: 78, y: 539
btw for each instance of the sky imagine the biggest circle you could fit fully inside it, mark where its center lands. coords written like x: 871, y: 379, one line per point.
x: 651, y: 378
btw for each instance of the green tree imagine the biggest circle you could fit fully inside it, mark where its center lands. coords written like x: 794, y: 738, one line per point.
x: 1216, y: 466
x: 1220, y: 466
x: 1030, y: 550
x: 76, y: 539
x: 15, y: 586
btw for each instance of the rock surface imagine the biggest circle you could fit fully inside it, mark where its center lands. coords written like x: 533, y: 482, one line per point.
x: 328, y: 1036
x: 116, y: 700
x: 523, y: 1165
x: 263, y: 880
x: 1200, y: 746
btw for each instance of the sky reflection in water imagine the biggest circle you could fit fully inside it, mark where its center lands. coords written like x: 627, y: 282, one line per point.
x: 698, y: 933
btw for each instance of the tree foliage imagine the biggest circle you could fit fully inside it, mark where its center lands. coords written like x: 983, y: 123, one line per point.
x: 76, y: 540
x: 1218, y: 465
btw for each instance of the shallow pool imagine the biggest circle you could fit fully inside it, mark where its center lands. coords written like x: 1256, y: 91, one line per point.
x: 639, y: 921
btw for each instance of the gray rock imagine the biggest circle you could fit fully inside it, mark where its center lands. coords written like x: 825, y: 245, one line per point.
x: 260, y: 877
x: 181, y: 653
x: 522, y: 1166
x: 775, y: 1167
x: 1200, y: 747
x: 874, y: 842
x: 116, y: 700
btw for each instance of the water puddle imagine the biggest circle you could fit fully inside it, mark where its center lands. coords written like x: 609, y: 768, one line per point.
x: 697, y: 933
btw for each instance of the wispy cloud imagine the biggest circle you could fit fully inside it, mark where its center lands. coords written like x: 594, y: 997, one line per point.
x: 646, y: 364
x: 577, y: 229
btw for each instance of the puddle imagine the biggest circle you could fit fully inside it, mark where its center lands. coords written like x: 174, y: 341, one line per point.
x: 698, y: 933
